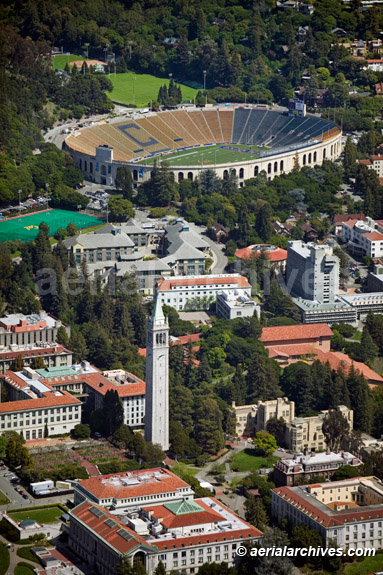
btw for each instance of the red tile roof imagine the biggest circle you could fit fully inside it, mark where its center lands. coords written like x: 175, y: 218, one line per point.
x: 365, y: 162
x: 171, y: 521
x: 374, y: 236
x: 322, y: 517
x: 339, y: 218
x: 166, y: 484
x: 181, y: 340
x: 110, y: 534
x: 351, y: 223
x: 290, y: 351
x: 50, y: 400
x: 289, y: 333
x: 277, y: 255
x: 34, y: 352
x: 338, y: 360
x: 167, y: 284
x: 101, y: 385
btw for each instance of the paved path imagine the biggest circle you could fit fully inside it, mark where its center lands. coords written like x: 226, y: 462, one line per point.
x: 14, y: 558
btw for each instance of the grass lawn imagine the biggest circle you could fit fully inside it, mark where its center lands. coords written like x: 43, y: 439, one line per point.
x: 59, y: 62
x: 24, y: 569
x: 141, y: 90
x: 377, y: 365
x: 246, y: 460
x: 47, y: 515
x: 4, y: 559
x: 365, y: 567
x: 207, y: 155
x: 182, y: 469
x: 3, y: 499
x: 25, y: 553
x: 357, y: 336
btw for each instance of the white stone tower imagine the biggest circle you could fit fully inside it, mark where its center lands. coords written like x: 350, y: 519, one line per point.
x: 157, y: 378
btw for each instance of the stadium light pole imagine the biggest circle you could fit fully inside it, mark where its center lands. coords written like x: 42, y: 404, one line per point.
x: 20, y: 192
x: 47, y: 189
x: 106, y: 52
x: 204, y: 86
x: 134, y: 90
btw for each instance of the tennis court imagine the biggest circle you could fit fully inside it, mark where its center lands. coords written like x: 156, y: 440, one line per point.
x: 208, y: 155
x: 26, y: 228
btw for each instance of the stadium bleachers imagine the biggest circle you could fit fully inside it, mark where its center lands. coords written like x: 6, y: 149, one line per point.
x: 212, y: 120
x: 226, y: 118
x: 200, y: 123
x: 173, y: 130
x: 241, y: 117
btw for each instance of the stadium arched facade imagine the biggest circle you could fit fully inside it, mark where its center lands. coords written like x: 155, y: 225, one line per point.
x: 273, y: 141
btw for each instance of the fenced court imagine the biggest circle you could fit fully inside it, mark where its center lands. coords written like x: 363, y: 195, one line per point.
x: 26, y: 228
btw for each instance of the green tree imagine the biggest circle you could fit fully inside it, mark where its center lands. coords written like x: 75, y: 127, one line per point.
x: 124, y: 182
x: 277, y: 427
x: 369, y: 350
x: 265, y: 442
x: 38, y: 363
x: 262, y: 378
x: 255, y: 512
x: 81, y: 431
x: 263, y: 225
x: 62, y: 336
x: 360, y: 400
x: 113, y: 411
x: 17, y: 364
x: 160, y: 569
x: 120, y: 209
x: 335, y: 427
x: 126, y: 567
x: 349, y: 159
x: 208, y: 426
x: 123, y: 437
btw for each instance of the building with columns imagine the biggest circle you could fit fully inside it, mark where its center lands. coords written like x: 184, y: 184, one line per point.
x: 157, y: 378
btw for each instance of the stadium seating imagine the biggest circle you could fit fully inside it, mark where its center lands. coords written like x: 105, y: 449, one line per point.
x: 172, y: 130
x: 212, y: 120
x: 226, y: 118
x: 174, y: 121
x: 200, y: 123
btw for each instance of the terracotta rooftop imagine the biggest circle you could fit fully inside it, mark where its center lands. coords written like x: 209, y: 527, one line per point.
x: 50, y: 400
x: 171, y: 521
x: 339, y: 218
x: 374, y: 236
x: 167, y: 284
x: 290, y: 351
x: 274, y: 255
x: 106, y: 487
x: 338, y: 360
x: 289, y: 333
x: 181, y: 340
x: 326, y: 519
x: 351, y: 223
x: 114, y: 531
x: 34, y: 352
x: 101, y: 385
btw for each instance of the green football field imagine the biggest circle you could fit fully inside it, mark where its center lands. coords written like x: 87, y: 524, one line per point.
x: 25, y: 228
x: 141, y: 90
x: 207, y: 155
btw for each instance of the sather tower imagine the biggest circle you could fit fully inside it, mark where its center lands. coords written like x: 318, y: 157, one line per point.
x: 157, y: 378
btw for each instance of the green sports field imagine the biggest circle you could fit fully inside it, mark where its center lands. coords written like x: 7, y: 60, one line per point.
x: 59, y: 62
x: 25, y: 228
x: 141, y: 90
x: 207, y: 155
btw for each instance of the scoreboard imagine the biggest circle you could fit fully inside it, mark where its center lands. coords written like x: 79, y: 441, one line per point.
x: 297, y: 107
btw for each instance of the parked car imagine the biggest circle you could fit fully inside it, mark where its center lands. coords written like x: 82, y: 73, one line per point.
x: 25, y: 496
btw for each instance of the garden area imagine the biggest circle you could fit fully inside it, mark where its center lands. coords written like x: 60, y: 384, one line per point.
x: 55, y: 465
x: 45, y: 515
x: 26, y: 553
x: 249, y: 460
x: 109, y: 459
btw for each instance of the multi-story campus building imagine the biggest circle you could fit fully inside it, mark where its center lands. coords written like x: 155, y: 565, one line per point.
x: 364, y: 237
x: 308, y: 465
x: 230, y: 305
x: 132, y: 489
x: 290, y: 343
x: 312, y: 272
x: 99, y: 247
x: 254, y: 417
x: 182, y: 534
x: 198, y: 292
x: 53, y: 355
x: 185, y: 250
x: 36, y: 330
x: 346, y: 513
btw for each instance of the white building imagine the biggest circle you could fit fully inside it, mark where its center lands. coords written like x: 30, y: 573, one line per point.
x: 346, y: 513
x: 130, y: 389
x: 157, y: 378
x: 374, y: 162
x: 199, y: 292
x: 312, y: 271
x: 254, y: 417
x: 181, y: 534
x: 58, y: 411
x: 364, y: 238
x: 230, y: 305
x: 130, y: 489
x: 36, y: 329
